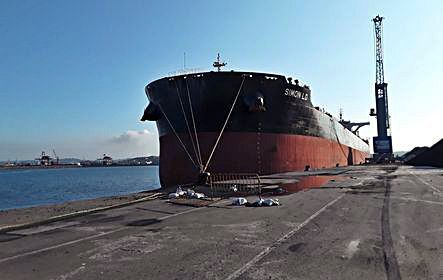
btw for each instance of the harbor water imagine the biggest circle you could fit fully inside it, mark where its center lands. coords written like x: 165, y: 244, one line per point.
x: 31, y: 187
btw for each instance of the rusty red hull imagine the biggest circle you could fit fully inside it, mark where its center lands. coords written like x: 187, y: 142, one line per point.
x: 261, y: 153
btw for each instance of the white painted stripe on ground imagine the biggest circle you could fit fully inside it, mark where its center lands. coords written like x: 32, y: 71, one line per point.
x: 417, y: 200
x: 288, y: 235
x: 426, y: 183
x: 59, y: 245
x: 44, y: 228
x: 58, y: 218
x: 89, y: 237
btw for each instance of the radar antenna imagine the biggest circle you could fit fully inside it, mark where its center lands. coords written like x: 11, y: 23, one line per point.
x: 217, y: 64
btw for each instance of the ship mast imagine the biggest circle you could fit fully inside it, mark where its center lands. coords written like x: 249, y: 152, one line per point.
x: 217, y: 64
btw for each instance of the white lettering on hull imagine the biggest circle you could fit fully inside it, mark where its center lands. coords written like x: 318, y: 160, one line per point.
x: 296, y: 94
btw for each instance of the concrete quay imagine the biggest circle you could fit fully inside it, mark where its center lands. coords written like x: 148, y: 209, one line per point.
x: 373, y: 222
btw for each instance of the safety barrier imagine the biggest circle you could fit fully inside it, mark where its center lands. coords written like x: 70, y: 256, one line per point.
x: 235, y: 182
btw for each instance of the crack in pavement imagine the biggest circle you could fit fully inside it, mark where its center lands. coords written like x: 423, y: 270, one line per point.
x: 390, y: 259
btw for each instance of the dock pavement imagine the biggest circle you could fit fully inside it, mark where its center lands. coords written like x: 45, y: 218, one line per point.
x: 376, y: 222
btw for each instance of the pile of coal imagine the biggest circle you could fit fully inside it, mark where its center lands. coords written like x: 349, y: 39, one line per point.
x: 432, y: 156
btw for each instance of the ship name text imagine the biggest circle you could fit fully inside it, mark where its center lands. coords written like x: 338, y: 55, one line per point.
x: 296, y: 94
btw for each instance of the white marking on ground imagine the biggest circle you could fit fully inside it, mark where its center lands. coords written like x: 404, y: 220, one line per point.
x: 41, y: 229
x: 135, y: 246
x: 91, y: 229
x: 72, y: 273
x: 60, y: 245
x: 435, y: 230
x: 352, y: 248
x: 288, y: 235
x: 30, y: 253
x: 426, y: 183
x: 244, y: 232
x: 417, y: 200
x: 406, y: 193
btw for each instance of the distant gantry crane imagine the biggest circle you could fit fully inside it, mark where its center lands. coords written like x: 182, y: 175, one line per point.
x: 44, y: 159
x: 57, y: 159
x: 383, y: 141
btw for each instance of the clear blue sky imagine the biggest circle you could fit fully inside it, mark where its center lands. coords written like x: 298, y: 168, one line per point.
x: 72, y: 73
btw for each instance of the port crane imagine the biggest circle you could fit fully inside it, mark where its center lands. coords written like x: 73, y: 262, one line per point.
x: 55, y: 156
x: 382, y: 143
x: 44, y: 159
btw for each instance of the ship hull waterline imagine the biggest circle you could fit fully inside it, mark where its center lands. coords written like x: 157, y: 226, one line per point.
x: 261, y: 153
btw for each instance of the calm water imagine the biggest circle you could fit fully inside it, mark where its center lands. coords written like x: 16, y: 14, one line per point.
x: 31, y: 187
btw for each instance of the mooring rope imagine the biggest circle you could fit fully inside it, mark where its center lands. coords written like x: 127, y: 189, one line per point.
x: 195, y: 128
x: 178, y: 137
x: 224, y: 125
x: 187, y: 125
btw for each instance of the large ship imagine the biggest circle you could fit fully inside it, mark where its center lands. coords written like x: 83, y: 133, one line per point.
x: 244, y: 122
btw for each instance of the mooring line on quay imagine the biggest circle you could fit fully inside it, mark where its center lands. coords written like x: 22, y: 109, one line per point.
x: 285, y: 237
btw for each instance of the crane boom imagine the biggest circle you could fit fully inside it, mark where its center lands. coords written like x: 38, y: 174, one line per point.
x: 380, y: 74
